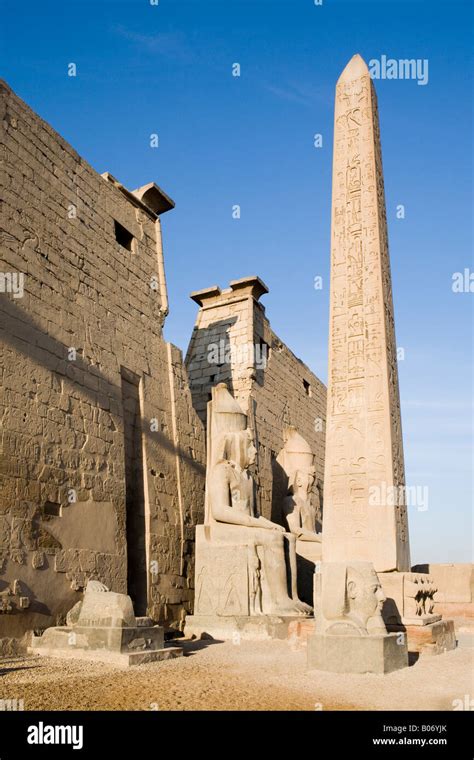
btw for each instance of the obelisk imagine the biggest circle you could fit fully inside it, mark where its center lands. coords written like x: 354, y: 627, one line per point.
x: 365, y: 514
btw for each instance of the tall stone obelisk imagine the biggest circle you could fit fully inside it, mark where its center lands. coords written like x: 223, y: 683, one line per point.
x: 365, y: 515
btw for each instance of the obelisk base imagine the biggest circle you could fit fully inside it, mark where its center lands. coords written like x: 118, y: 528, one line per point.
x: 435, y: 638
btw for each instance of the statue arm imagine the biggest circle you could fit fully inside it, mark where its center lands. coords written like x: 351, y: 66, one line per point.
x: 292, y: 518
x: 291, y: 515
x: 309, y: 535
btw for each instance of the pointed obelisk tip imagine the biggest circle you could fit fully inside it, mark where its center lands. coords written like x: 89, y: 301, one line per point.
x: 356, y: 68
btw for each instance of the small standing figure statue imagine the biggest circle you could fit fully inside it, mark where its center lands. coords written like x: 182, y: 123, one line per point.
x: 255, y: 585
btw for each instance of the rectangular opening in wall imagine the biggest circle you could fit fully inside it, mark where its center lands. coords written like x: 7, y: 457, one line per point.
x: 123, y: 236
x: 307, y: 388
x: 263, y: 354
x: 51, y: 509
x: 261, y: 357
x: 134, y: 492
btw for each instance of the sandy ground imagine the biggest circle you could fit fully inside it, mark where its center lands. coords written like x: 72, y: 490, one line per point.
x: 264, y: 675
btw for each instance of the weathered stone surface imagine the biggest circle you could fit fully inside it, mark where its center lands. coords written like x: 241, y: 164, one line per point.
x: 106, y: 608
x: 236, y: 627
x: 350, y: 635
x: 241, y: 565
x: 233, y: 342
x: 348, y: 599
x: 410, y: 598
x: 364, y: 508
x: 356, y: 654
x: 118, y: 659
x: 90, y: 320
x: 454, y: 581
x: 298, y: 512
x: 433, y: 638
x: 93, y: 638
x: 455, y: 609
x: 103, y: 628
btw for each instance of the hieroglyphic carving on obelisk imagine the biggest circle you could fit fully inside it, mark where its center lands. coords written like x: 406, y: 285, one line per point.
x: 365, y: 517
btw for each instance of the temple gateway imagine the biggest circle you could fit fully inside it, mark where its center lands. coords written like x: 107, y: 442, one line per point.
x: 227, y: 493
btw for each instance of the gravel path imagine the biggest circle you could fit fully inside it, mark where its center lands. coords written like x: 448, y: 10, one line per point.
x: 223, y: 676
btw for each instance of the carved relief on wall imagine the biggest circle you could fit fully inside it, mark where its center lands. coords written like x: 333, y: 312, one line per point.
x: 13, y: 598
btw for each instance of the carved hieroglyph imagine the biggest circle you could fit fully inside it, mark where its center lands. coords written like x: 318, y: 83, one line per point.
x: 364, y: 451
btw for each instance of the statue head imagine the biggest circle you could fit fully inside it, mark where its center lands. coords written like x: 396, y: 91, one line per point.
x: 302, y: 478
x: 296, y: 459
x: 229, y: 438
x: 351, y: 598
x: 365, y: 596
x: 237, y: 447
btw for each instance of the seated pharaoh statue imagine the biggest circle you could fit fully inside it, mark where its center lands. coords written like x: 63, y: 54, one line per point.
x: 245, y: 564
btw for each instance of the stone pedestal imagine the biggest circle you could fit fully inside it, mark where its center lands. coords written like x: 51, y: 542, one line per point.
x: 115, y: 646
x: 230, y: 598
x: 103, y: 627
x: 251, y: 627
x: 357, y: 654
x: 246, y: 565
x: 434, y: 638
x: 410, y: 608
x: 301, y: 630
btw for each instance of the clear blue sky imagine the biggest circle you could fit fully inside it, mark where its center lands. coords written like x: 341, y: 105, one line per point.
x: 166, y: 69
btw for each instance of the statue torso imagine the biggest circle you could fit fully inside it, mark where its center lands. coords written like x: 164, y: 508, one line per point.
x: 241, y: 489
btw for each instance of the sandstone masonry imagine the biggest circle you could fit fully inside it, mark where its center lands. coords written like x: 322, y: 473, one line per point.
x: 234, y: 343
x: 102, y: 464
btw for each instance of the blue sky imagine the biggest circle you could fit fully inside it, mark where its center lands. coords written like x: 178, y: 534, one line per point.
x: 167, y: 69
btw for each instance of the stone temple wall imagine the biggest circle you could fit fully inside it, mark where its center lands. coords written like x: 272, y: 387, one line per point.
x: 102, y: 453
x: 234, y: 343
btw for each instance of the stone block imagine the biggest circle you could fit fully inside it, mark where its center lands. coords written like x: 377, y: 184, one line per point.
x: 106, y: 609
x: 357, y: 654
x: 66, y: 418
x: 410, y: 598
x: 236, y: 627
x: 103, y: 627
x: 434, y: 638
x: 454, y: 581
